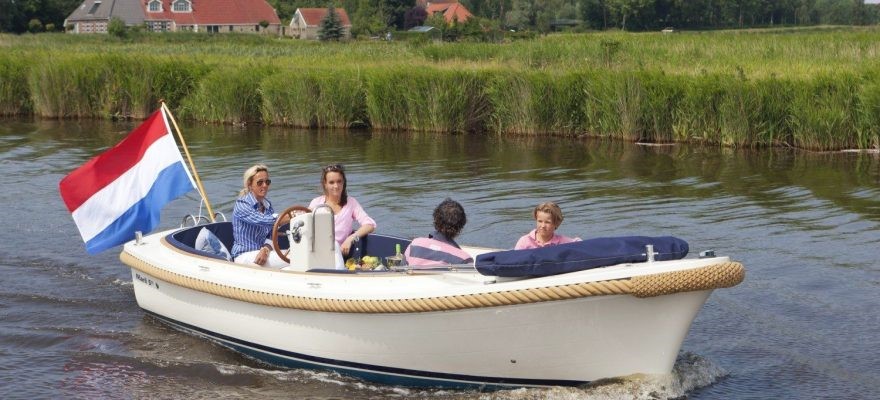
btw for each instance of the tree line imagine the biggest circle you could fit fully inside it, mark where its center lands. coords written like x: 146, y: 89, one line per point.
x: 373, y: 17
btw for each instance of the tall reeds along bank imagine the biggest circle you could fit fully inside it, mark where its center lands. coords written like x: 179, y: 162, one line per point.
x: 825, y: 112
x: 67, y: 87
x: 628, y: 106
x: 333, y: 98
x: 128, y: 86
x: 537, y: 103
x: 728, y: 109
x: 228, y: 94
x: 868, y: 132
x: 14, y: 94
x: 427, y: 99
x: 106, y: 86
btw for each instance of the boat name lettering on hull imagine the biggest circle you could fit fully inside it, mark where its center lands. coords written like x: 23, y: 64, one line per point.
x: 146, y: 281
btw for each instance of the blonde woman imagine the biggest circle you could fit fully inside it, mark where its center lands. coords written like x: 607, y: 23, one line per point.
x: 252, y: 220
x: 548, y: 217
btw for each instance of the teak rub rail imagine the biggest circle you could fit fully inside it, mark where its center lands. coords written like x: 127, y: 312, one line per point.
x: 708, y: 277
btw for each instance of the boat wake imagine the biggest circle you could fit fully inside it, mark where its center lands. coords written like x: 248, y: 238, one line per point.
x: 691, y: 372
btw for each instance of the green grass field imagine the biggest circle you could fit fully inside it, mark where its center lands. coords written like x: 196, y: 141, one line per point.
x: 813, y: 88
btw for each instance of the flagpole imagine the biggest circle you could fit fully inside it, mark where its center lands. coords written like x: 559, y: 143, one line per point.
x: 191, y: 164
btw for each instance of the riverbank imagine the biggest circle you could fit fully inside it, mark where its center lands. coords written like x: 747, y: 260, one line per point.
x: 814, y: 88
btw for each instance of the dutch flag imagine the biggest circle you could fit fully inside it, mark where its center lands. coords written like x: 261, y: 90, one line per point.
x: 123, y: 189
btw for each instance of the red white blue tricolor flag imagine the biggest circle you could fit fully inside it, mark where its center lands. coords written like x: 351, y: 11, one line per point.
x: 122, y: 190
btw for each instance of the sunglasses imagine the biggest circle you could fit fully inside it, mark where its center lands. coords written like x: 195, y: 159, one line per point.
x: 334, y: 168
x: 261, y: 182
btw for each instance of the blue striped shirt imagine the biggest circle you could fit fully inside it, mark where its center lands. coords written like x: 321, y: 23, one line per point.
x: 250, y: 227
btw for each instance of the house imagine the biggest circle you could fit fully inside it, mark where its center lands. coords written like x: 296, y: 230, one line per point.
x: 306, y: 21
x: 452, y: 10
x: 93, y: 16
x: 213, y: 16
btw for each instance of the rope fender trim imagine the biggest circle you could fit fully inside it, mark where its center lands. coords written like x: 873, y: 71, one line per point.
x: 713, y: 276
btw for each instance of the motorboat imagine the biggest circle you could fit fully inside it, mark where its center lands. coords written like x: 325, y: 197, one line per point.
x: 483, y: 325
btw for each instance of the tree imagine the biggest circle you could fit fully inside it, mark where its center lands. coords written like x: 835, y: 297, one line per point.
x: 368, y: 18
x: 414, y: 17
x: 331, y: 26
x: 34, y: 26
x: 15, y: 15
x: 117, y: 28
x: 395, y: 11
x: 436, y: 21
x: 11, y: 15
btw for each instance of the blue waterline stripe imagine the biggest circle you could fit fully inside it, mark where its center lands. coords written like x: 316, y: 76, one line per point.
x: 374, y: 373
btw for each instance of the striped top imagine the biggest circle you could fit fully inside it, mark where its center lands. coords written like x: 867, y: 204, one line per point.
x: 435, y: 250
x: 250, y: 227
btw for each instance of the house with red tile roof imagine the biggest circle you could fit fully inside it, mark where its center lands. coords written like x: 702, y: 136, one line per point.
x: 306, y: 21
x: 451, y: 10
x: 213, y: 16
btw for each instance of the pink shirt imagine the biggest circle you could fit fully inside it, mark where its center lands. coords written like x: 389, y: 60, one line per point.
x: 530, y: 241
x: 352, y: 211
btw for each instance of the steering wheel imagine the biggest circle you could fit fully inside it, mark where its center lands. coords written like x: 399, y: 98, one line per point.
x: 291, y: 212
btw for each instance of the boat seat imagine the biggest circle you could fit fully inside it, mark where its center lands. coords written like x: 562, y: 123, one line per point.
x: 185, y: 239
x: 378, y: 245
x: 371, y: 245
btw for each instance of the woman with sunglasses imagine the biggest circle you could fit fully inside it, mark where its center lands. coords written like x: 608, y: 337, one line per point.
x: 252, y: 220
x: 346, y: 209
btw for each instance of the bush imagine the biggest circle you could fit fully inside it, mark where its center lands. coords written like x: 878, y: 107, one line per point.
x: 35, y: 26
x: 117, y: 28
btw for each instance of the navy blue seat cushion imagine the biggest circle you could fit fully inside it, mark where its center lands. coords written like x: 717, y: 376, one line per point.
x: 185, y: 239
x: 577, y: 256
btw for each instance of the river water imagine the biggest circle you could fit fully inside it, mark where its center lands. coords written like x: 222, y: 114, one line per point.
x: 803, y: 325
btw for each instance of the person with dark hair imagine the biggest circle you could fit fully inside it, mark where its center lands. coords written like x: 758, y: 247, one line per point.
x: 548, y: 217
x: 439, y: 248
x: 346, y: 209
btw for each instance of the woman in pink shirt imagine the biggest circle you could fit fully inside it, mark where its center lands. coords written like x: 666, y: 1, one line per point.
x: 345, y: 208
x: 548, y: 217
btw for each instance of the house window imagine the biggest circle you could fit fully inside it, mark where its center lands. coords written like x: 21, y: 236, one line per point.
x: 95, y: 6
x: 213, y: 29
x: 181, y: 6
x: 155, y: 6
x: 160, y: 26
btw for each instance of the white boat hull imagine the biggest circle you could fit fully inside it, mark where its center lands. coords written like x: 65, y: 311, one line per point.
x: 547, y: 343
x: 450, y: 329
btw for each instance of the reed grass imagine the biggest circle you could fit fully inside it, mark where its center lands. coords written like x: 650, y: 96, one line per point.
x: 228, y: 94
x: 823, y: 112
x: 14, y: 94
x: 315, y: 98
x: 813, y: 88
x: 69, y: 87
x: 426, y: 99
